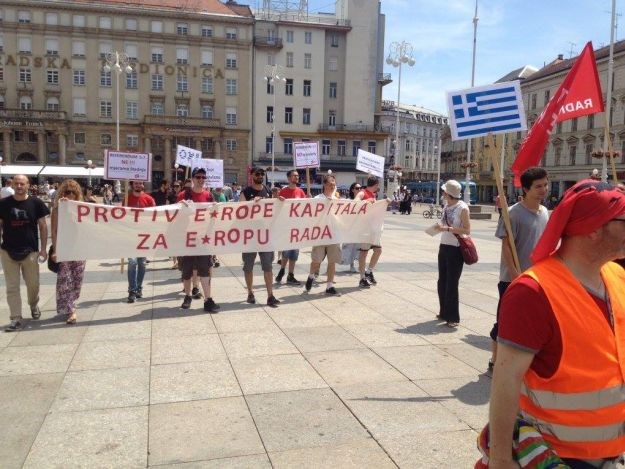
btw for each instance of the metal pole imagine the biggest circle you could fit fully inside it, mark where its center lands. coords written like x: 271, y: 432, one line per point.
x: 467, y: 187
x: 606, y: 135
x: 438, y: 171
x: 397, y: 151
x: 273, y: 135
x: 117, y: 73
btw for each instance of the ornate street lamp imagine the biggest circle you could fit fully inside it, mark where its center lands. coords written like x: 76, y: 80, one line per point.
x: 273, y: 74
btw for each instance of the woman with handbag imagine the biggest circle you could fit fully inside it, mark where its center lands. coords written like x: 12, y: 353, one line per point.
x: 455, y: 221
x: 70, y: 273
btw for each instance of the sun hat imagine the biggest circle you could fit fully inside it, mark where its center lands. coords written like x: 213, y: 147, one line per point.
x: 452, y: 188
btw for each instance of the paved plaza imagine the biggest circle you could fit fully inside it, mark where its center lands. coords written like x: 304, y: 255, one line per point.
x: 367, y: 379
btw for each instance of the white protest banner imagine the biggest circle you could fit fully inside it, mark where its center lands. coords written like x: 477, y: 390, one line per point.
x: 306, y: 154
x: 370, y: 163
x: 127, y: 166
x: 186, y: 156
x: 92, y: 231
x: 214, y: 172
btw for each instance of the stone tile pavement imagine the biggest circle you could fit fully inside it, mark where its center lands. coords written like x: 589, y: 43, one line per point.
x: 368, y: 379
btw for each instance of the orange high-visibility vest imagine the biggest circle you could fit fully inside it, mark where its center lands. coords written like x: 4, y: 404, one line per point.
x: 580, y: 410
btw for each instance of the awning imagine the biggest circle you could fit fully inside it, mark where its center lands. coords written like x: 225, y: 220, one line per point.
x: 48, y: 170
x: 28, y: 170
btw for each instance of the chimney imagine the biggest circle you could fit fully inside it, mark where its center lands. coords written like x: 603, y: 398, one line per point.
x: 560, y: 56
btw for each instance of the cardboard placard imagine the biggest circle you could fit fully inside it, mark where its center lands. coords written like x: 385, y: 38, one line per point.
x: 370, y: 163
x: 127, y: 166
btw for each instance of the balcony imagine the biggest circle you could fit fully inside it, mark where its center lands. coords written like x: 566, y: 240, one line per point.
x: 362, y: 128
x: 279, y: 158
x: 268, y: 42
x: 384, y: 78
x: 181, y: 122
x: 31, y: 114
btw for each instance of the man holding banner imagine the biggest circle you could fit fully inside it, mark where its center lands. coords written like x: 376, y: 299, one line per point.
x: 290, y: 255
x: 366, y: 274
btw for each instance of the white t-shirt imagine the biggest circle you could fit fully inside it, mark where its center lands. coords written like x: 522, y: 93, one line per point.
x: 6, y: 192
x: 323, y: 196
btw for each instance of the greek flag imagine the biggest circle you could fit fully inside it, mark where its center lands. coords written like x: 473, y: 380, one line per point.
x: 494, y: 109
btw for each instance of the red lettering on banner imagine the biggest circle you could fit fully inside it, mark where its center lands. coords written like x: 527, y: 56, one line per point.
x: 219, y: 237
x: 363, y: 209
x: 154, y: 213
x: 83, y: 211
x: 191, y: 239
x: 144, y: 238
x: 256, y: 208
x: 268, y: 213
x: 242, y: 211
x: 200, y: 214
x: 234, y: 235
x: 226, y: 212
x: 353, y: 209
x: 318, y: 209
x: 294, y: 209
x: 310, y: 234
x: 170, y: 218
x: 117, y: 213
x: 260, y: 239
x: 137, y: 212
x: 100, y: 212
x: 160, y: 241
x: 345, y: 210
x: 247, y: 235
x: 307, y: 210
x: 338, y: 207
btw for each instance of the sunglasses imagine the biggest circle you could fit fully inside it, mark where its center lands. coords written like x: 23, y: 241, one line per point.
x: 176, y: 185
x: 70, y: 193
x: 199, y: 177
x: 259, y: 174
x: 357, y: 188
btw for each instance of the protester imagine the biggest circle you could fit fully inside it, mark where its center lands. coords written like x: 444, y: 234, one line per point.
x: 367, y: 278
x: 7, y: 189
x: 560, y: 344
x: 136, y: 265
x: 107, y: 195
x: 89, y: 197
x: 527, y: 220
x: 117, y: 192
x: 162, y: 196
x: 291, y: 191
x: 351, y: 251
x: 332, y: 251
x: 236, y: 192
x: 70, y: 274
x: 24, y: 242
x: 256, y: 192
x: 199, y: 264
x: 450, y: 261
x: 498, y: 204
x: 219, y: 195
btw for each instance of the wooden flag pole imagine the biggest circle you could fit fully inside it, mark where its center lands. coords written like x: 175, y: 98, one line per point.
x: 492, y: 151
x: 186, y: 173
x: 125, y: 205
x: 308, y: 182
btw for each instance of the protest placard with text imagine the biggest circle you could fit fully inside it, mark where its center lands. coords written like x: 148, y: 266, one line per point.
x: 370, y: 163
x: 306, y: 154
x: 214, y: 171
x: 127, y: 166
x: 186, y: 156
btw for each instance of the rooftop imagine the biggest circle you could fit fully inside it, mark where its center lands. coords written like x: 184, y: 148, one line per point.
x: 229, y: 8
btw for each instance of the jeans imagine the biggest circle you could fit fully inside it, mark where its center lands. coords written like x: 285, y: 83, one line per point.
x: 136, y: 272
x: 450, y: 263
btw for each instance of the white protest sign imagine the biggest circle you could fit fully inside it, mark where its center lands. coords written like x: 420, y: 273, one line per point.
x: 306, y: 154
x: 186, y: 156
x: 94, y: 231
x: 214, y: 172
x: 370, y: 163
x: 127, y: 166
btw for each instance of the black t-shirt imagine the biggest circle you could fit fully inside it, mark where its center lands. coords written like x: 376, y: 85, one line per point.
x: 250, y: 193
x: 19, y: 223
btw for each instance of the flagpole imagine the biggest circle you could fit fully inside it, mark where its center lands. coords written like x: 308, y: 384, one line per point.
x: 606, y: 136
x: 467, y: 176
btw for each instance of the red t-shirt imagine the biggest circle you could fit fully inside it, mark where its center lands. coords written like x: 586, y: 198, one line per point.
x: 535, y: 328
x: 368, y: 194
x: 142, y: 201
x: 289, y: 193
x: 203, y: 196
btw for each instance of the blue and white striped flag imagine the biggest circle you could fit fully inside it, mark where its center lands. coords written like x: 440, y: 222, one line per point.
x: 478, y: 111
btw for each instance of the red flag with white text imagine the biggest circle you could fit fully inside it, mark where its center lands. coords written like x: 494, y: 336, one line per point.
x: 578, y: 95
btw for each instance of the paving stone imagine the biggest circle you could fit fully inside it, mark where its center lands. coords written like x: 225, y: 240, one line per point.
x: 197, y: 348
x: 123, y: 330
x: 182, y: 326
x: 242, y: 321
x: 192, y: 381
x: 310, y: 317
x: 36, y: 359
x: 111, y: 354
x: 201, y: 430
x: 386, y: 334
x: 51, y: 334
x: 260, y: 461
x: 324, y: 338
x: 93, y: 438
x: 257, y: 343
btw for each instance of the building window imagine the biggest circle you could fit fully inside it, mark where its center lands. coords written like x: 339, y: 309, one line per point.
x: 355, y: 147
x: 105, y: 49
x: 207, y: 85
x: 26, y: 102
x: 79, y: 138
x: 24, y: 45
x: 289, y: 59
x: 231, y: 33
x: 207, y: 58
x: 78, y: 48
x: 288, y: 146
x: 1, y: 74
x: 132, y: 109
x: 105, y: 78
x: 271, y: 59
x: 79, y: 106
x: 269, y: 115
x: 574, y: 125
x: 231, y: 144
x: 157, y: 108
x: 572, y: 151
x: 78, y: 21
x: 105, y: 22
x: 589, y: 153
x: 106, y: 108
x: 207, y: 31
x: 207, y: 111
x: 231, y: 60
x: 157, y: 55
x: 306, y: 116
x: 288, y: 115
x: 52, y: 19
x: 131, y: 52
x: 325, y: 147
x: 231, y: 116
x: 23, y: 16
x: 156, y: 26
x: 371, y: 146
x: 182, y: 55
x: 334, y: 40
x: 105, y: 140
x: 591, y: 122
x: 157, y: 82
x: 207, y: 144
x: 231, y: 86
x: 332, y: 118
x: 182, y: 110
x: 340, y: 147
x: 52, y: 77
x: 533, y: 101
x: 52, y: 104
x: 547, y: 96
x: 289, y: 36
x: 132, y: 141
x: 559, y: 128
x: 269, y: 88
x: 18, y: 136
x: 131, y: 24
x: 25, y: 75
x: 181, y: 83
x: 132, y: 80
x: 333, y: 64
x: 79, y: 155
x: 333, y: 87
x: 308, y: 37
x: 307, y: 60
x: 52, y: 47
x: 268, y: 145
x: 307, y: 87
x: 182, y: 29
x: 288, y: 87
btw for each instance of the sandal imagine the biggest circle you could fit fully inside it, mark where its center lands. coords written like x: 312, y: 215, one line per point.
x: 71, y: 318
x: 452, y: 325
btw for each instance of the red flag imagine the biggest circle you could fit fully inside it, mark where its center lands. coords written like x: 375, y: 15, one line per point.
x: 578, y: 95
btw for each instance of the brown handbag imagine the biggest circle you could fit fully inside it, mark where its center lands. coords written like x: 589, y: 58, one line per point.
x: 467, y: 248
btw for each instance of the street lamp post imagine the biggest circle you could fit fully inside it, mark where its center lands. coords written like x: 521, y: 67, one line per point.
x: 437, y: 151
x: 176, y: 166
x: 467, y: 177
x: 399, y: 53
x: 273, y: 74
x: 118, y: 62
x: 89, y: 165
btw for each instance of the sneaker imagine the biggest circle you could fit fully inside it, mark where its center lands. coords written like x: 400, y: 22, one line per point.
x: 139, y: 294
x: 273, y: 301
x: 216, y: 263
x: 16, y: 325
x: 280, y: 275
x: 291, y: 280
x: 131, y: 297
x: 369, y: 276
x: 211, y: 306
x: 309, y: 282
x: 35, y: 312
x: 332, y: 291
x: 195, y: 293
x: 186, y: 303
x: 364, y: 283
x: 251, y: 299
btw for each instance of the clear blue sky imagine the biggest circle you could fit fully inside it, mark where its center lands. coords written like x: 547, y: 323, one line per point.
x: 510, y: 34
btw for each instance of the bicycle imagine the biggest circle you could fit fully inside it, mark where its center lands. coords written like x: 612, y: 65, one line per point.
x: 430, y: 213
